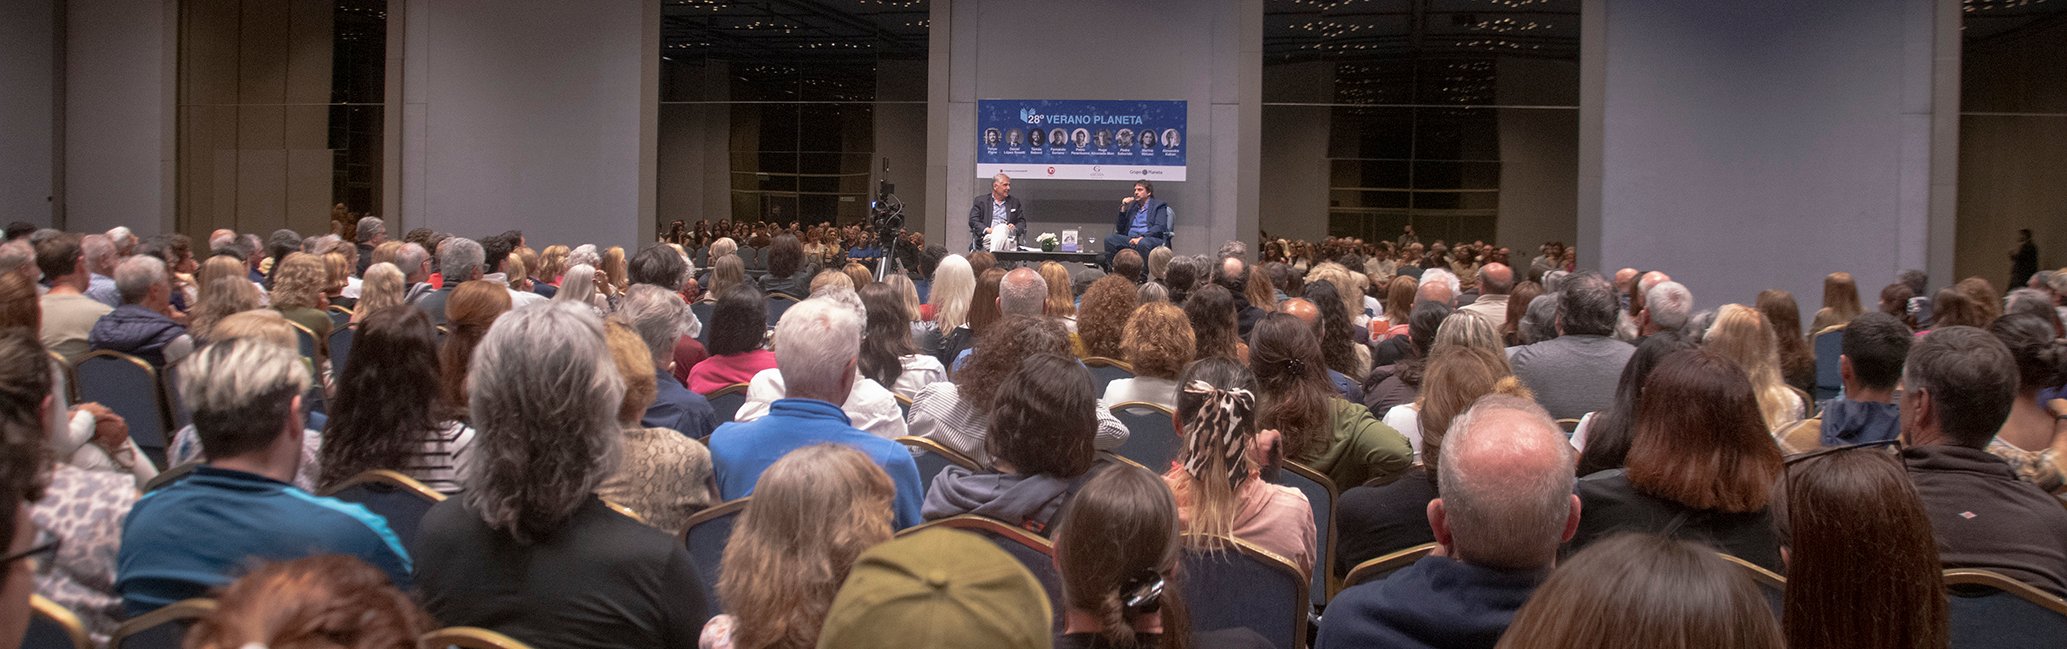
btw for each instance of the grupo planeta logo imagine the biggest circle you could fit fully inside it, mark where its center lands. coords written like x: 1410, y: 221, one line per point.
x: 1031, y: 116
x: 1051, y: 171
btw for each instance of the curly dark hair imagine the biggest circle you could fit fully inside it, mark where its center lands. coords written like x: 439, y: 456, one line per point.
x: 387, y: 397
x: 1338, y: 344
x: 999, y: 352
x: 1102, y: 320
x: 1048, y: 421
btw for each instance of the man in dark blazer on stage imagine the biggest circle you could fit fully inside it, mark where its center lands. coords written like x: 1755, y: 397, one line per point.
x: 1143, y: 223
x: 999, y: 208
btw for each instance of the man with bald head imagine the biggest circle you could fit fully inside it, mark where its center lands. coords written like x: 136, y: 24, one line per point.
x: 1506, y: 505
x: 1435, y: 291
x: 1234, y: 276
x: 1495, y: 281
x: 1022, y: 292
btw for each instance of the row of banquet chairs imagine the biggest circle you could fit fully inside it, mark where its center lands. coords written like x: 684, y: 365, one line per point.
x: 53, y: 627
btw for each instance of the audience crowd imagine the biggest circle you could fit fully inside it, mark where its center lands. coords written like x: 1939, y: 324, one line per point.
x: 1565, y: 456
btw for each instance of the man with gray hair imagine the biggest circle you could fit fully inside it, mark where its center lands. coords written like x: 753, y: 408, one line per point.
x: 246, y: 398
x: 371, y: 233
x: 141, y: 326
x: 1576, y: 372
x: 100, y: 266
x: 1506, y: 504
x: 19, y: 257
x: 660, y: 317
x: 1666, y: 308
x: 1958, y: 386
x: 461, y: 260
x: 1494, y: 282
x: 1022, y: 292
x: 818, y: 348
x: 869, y: 406
x: 415, y: 264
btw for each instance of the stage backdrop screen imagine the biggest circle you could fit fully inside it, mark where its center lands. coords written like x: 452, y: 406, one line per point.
x: 1080, y: 140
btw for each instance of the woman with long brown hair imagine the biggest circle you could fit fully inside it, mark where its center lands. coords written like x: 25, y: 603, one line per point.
x: 1840, y: 302
x: 1638, y: 591
x: 1214, y: 324
x: 1117, y: 548
x: 1061, y: 303
x: 1701, y: 464
x: 1797, y: 361
x: 814, y: 511
x: 473, y: 308
x: 1862, y: 565
x: 389, y: 412
x: 1322, y: 430
x: 1217, y: 476
x: 1399, y: 307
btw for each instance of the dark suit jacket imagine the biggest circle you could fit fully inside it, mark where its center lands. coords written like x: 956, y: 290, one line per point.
x: 979, y: 216
x: 1158, y: 219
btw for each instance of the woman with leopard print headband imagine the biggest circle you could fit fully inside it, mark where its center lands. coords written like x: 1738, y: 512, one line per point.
x: 1217, y: 478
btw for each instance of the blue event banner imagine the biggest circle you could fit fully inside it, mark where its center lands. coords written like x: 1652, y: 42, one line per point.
x: 1080, y: 139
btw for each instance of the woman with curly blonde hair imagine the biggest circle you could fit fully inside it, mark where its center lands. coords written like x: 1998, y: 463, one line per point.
x: 383, y: 287
x: 814, y: 512
x: 1158, y: 344
x: 552, y: 264
x: 1742, y: 335
x: 298, y: 292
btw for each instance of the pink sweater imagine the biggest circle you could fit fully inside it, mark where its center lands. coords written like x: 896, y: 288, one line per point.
x: 720, y: 371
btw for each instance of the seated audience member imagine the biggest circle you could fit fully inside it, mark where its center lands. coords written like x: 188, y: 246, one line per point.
x: 1338, y: 438
x: 328, y: 600
x: 459, y: 261
x: 951, y: 296
x: 1874, y: 346
x: 985, y: 309
x: 246, y: 398
x: 957, y: 414
x: 1840, y: 302
x: 1129, y: 266
x: 1213, y: 326
x: 500, y: 264
x: 1231, y: 273
x: 1217, y: 477
x: 469, y: 312
x: 1645, y: 592
x: 1399, y: 383
x: 1157, y: 344
x: 659, y: 317
x: 814, y: 512
x: 1345, y: 356
x: 889, y: 356
x: 664, y: 475
x: 1744, y: 336
x: 1463, y: 331
x: 1506, y: 506
x: 1958, y: 386
x: 578, y: 285
x: 869, y: 406
x: 739, y: 325
x: 1953, y: 307
x: 1539, y: 321
x: 1399, y: 346
x: 1494, y: 283
x: 1377, y: 520
x: 528, y: 549
x: 81, y: 509
x: 1666, y: 308
x: 1895, y: 300
x: 297, y: 293
x: 1797, y: 361
x: 821, y: 345
x: 1603, y: 437
x: 1102, y: 321
x: 222, y: 291
x: 2033, y: 440
x: 68, y: 314
x: 1399, y: 303
x: 789, y: 272
x: 267, y: 326
x: 1117, y: 549
x: 925, y: 333
x: 1040, y: 445
x: 140, y: 327
x: 1060, y: 302
x: 938, y: 588
x: 382, y: 288
x: 1842, y: 592
x: 1306, y: 311
x: 388, y: 413
x: 101, y: 258
x: 1700, y: 465
x: 1575, y: 373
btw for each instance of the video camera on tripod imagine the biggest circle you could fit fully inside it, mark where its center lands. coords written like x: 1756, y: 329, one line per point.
x: 886, y: 220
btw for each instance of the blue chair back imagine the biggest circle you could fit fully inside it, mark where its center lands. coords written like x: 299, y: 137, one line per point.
x: 725, y: 402
x: 305, y: 341
x: 1320, y: 494
x: 1151, y: 435
x: 1242, y: 586
x: 1829, y: 344
x: 128, y: 386
x: 703, y: 311
x: 339, y: 316
x: 1106, y: 370
x: 395, y: 497
x: 934, y: 458
x: 51, y: 626
x: 341, y: 348
x: 708, y: 532
x: 1988, y: 610
x: 777, y: 304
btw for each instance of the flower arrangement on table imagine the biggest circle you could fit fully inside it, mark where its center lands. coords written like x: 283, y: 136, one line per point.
x: 1047, y: 241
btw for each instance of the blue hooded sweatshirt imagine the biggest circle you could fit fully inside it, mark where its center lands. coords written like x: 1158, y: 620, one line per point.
x: 1859, y: 422
x: 1437, y: 603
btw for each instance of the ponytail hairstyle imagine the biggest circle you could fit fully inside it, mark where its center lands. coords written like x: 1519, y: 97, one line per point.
x: 1216, y: 414
x: 1117, y: 547
x: 1287, y: 360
